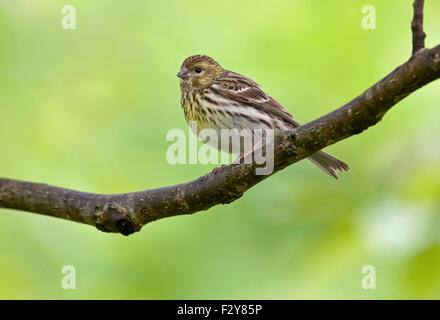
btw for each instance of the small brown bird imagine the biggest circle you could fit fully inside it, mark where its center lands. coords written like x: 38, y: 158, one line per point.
x: 215, y: 98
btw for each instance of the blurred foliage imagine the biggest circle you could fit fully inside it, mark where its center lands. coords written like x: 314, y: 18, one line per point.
x: 89, y: 109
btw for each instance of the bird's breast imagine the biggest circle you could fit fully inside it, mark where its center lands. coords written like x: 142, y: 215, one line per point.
x: 209, y: 110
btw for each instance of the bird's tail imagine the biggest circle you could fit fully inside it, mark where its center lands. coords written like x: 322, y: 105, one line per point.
x: 328, y: 163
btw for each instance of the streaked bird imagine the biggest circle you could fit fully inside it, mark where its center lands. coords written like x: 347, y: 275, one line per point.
x: 215, y: 98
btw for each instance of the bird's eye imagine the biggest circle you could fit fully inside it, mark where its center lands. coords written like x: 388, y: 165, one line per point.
x: 198, y: 70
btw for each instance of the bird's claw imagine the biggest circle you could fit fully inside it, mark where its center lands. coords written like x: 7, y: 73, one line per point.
x: 216, y: 169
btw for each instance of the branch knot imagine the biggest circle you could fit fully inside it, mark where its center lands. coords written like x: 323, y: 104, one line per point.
x: 114, y: 218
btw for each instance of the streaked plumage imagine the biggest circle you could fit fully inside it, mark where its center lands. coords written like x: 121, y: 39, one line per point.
x: 215, y: 98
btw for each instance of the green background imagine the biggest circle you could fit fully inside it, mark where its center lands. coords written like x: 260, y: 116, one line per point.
x: 89, y: 109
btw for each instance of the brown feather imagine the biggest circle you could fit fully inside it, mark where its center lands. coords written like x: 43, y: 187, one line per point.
x: 240, y: 88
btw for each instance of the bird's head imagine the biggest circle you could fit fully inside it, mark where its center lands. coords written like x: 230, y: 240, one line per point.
x: 199, y: 71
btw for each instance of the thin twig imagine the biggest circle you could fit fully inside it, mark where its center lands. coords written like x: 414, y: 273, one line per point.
x: 418, y: 35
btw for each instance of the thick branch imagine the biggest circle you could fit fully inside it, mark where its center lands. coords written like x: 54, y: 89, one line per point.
x: 127, y: 213
x: 418, y: 34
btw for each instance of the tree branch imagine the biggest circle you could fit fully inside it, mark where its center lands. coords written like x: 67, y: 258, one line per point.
x: 127, y: 213
x: 418, y: 34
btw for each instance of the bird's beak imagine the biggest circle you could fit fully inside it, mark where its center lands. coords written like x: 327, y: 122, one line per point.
x: 182, y: 74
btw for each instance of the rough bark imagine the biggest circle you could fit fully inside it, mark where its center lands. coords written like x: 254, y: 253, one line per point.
x: 417, y: 27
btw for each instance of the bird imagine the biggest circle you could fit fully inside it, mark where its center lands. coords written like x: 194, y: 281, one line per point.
x: 216, y: 98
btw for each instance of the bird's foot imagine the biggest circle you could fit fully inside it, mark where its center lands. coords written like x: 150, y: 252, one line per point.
x: 216, y: 169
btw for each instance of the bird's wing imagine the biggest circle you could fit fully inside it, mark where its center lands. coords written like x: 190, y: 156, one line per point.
x: 242, y: 89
